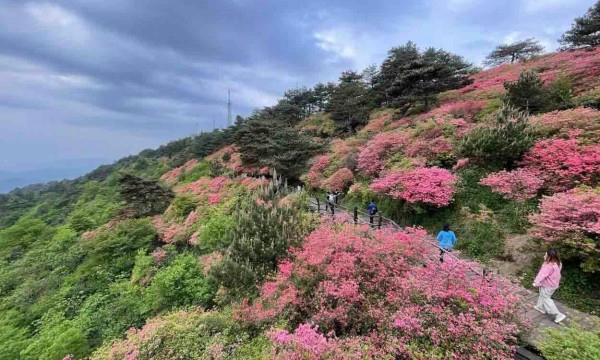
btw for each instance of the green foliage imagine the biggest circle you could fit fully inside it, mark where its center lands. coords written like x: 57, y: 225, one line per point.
x: 527, y: 93
x: 560, y: 94
x: 182, y: 205
x: 214, y: 234
x: 144, y: 197
x: 263, y: 233
x: 202, y: 169
x: 97, y: 204
x: 570, y: 343
x: 349, y: 103
x: 182, y: 283
x: 17, y: 239
x: 110, y: 254
x: 500, y: 144
x: 409, y: 75
x: 481, y: 239
x: 189, y: 335
x: 584, y: 32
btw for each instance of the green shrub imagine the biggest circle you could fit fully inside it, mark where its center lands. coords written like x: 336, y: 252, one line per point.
x: 570, y: 344
x: 182, y: 206
x: 182, y: 283
x: 188, y: 335
x: 214, y: 233
x: 200, y: 170
x: 480, y: 239
x: 264, y: 230
x: 500, y: 144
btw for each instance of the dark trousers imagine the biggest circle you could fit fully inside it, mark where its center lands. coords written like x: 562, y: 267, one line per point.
x: 442, y: 251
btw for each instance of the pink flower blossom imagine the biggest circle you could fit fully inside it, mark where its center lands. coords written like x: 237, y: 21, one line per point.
x: 571, y: 218
x: 339, y: 180
x: 519, y: 185
x: 433, y: 186
x: 159, y: 254
x: 214, y: 199
x: 370, y: 157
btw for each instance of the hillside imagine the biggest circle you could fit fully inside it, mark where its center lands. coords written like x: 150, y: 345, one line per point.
x: 165, y: 253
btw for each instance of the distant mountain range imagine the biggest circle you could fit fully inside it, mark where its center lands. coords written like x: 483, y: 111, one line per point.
x: 68, y: 169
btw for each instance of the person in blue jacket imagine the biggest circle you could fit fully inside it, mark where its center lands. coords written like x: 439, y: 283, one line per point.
x: 447, y: 240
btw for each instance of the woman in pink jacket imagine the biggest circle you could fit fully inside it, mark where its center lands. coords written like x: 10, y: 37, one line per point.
x: 547, y: 280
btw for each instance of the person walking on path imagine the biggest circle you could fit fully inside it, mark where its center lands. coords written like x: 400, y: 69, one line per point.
x: 331, y: 200
x: 547, y: 281
x: 337, y: 195
x: 372, y: 211
x: 447, y: 240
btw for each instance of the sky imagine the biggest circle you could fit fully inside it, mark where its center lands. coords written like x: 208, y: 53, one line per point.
x: 85, y: 82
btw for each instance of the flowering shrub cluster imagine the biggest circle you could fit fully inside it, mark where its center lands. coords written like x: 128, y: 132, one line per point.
x: 465, y: 110
x: 429, y: 149
x: 371, y: 157
x: 378, y: 294
x: 581, y: 119
x: 582, y: 67
x: 519, y: 185
x: 173, y: 175
x: 230, y: 158
x: 572, y: 219
x: 339, y: 180
x: 563, y: 163
x: 432, y: 186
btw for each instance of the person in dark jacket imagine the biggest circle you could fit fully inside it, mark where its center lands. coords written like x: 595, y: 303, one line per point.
x: 372, y: 210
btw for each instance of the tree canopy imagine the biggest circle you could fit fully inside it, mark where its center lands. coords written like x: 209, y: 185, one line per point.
x: 515, y: 51
x: 585, y: 31
x: 408, y: 75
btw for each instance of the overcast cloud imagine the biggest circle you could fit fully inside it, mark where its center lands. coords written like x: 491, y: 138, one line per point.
x: 89, y: 81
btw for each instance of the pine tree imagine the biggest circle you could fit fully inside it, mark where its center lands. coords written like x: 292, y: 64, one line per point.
x: 412, y: 76
x: 499, y: 145
x: 516, y: 51
x: 527, y: 93
x: 143, y: 197
x: 265, y: 140
x: 585, y: 31
x: 349, y: 102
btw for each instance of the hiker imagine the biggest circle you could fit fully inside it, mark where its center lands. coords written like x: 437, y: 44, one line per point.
x: 447, y: 239
x: 372, y: 210
x: 331, y: 199
x: 337, y: 195
x: 547, y: 280
x: 327, y: 200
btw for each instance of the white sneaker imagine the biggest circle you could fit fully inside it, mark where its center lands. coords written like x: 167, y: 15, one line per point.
x: 560, y: 317
x: 538, y: 309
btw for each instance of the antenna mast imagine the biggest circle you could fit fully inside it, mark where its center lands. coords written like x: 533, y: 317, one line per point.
x: 228, y: 108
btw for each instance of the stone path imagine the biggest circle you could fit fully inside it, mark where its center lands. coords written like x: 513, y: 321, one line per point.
x: 538, y: 320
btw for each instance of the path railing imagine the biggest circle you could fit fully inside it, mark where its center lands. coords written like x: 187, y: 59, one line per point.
x: 359, y: 216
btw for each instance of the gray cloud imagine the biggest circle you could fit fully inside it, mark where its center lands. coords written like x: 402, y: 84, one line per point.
x: 106, y: 78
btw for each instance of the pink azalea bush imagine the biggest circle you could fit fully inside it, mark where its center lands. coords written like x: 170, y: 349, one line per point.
x: 581, y: 66
x: 432, y: 186
x: 563, y: 163
x: 173, y: 175
x: 462, y: 109
x: 429, y: 149
x: 519, y: 185
x: 339, y: 180
x: 585, y: 120
x: 571, y: 219
x: 371, y: 157
x: 382, y: 294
